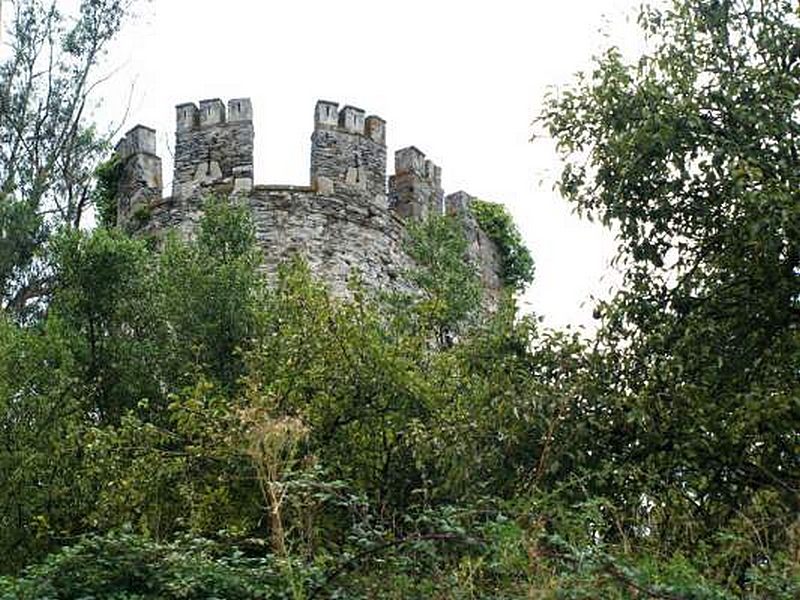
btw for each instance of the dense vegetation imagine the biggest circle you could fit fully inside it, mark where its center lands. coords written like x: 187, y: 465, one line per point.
x: 174, y: 426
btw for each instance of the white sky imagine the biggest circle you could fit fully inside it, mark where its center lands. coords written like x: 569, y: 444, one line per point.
x: 462, y: 81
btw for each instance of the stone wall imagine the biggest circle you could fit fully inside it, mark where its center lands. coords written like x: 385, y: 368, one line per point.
x: 141, y: 178
x: 482, y: 251
x: 337, y: 236
x: 415, y: 189
x: 342, y: 223
x: 348, y: 152
x: 213, y: 147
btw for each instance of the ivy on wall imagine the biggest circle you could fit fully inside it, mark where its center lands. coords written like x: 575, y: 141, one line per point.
x: 497, y: 223
x: 105, y: 196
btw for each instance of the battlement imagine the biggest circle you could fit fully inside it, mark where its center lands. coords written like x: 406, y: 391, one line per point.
x: 348, y: 152
x: 415, y: 189
x: 214, y: 149
x: 349, y: 119
x: 212, y: 112
x: 213, y: 146
x: 412, y: 160
x: 457, y: 203
x: 140, y: 139
x: 188, y: 117
x: 140, y: 182
x: 376, y: 129
x: 326, y: 114
x: 343, y: 220
x: 240, y: 109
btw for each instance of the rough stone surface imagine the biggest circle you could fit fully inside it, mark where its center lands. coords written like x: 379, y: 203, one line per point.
x: 482, y: 251
x: 348, y: 152
x: 213, y: 152
x: 141, y: 180
x: 415, y: 190
x: 337, y: 235
x: 342, y: 223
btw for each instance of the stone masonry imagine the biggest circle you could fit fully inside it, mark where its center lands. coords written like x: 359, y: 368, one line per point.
x: 344, y: 221
x: 140, y: 182
x: 213, y: 147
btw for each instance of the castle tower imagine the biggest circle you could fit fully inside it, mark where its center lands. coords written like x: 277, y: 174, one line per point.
x: 415, y: 190
x: 457, y: 203
x: 348, y: 152
x: 140, y: 181
x: 213, y: 147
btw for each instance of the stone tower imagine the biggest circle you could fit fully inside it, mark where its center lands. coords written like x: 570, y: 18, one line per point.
x: 348, y: 152
x: 213, y: 148
x: 342, y: 224
x: 415, y: 189
x: 140, y: 180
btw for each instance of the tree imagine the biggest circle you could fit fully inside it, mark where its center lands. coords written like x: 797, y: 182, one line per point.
x: 114, y: 402
x: 692, y: 155
x: 40, y: 424
x: 207, y: 293
x: 48, y: 146
x: 450, y: 293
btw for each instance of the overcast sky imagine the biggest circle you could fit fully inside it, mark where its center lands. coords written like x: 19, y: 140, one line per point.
x: 462, y: 81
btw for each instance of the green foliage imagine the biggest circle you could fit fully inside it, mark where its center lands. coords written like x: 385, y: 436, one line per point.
x: 40, y: 425
x: 123, y: 566
x: 517, y: 261
x: 103, y: 287
x: 355, y: 384
x: 88, y: 394
x: 183, y: 468
x: 207, y: 293
x: 23, y: 234
x: 448, y: 280
x: 49, y: 148
x: 106, y: 191
x: 692, y: 155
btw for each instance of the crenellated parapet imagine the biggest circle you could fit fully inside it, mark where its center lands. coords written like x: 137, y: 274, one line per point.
x: 344, y: 221
x: 139, y: 140
x: 213, y: 147
x: 415, y: 189
x: 348, y: 152
x: 458, y: 203
x: 140, y: 178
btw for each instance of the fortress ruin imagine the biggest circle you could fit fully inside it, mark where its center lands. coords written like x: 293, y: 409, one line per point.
x: 348, y: 217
